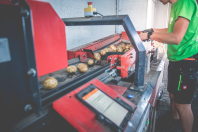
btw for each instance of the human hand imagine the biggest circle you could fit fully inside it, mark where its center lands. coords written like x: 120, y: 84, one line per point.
x: 143, y: 36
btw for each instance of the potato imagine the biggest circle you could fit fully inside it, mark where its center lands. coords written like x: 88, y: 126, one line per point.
x: 119, y: 49
x: 131, y: 47
x: 126, y: 50
x: 113, y: 48
x: 50, y: 83
x: 102, y: 52
x: 110, y: 50
x: 90, y: 62
x: 106, y: 50
x: 124, y: 47
x: 71, y: 69
x: 128, y: 46
x: 82, y: 67
x: 97, y: 56
x: 122, y: 44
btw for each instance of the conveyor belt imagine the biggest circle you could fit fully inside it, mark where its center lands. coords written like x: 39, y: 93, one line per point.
x: 64, y: 88
x: 68, y: 82
x: 63, y: 76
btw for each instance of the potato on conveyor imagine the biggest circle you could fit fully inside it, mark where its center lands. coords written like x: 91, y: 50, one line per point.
x: 102, y: 52
x: 122, y: 44
x: 110, y: 50
x: 90, y: 62
x: 106, y: 50
x: 71, y: 69
x: 128, y: 46
x: 50, y: 83
x: 82, y: 67
x: 113, y: 48
x: 131, y: 47
x: 97, y: 56
x: 126, y: 50
x: 119, y: 49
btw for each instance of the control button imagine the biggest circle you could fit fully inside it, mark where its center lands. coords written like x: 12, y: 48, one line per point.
x: 130, y: 96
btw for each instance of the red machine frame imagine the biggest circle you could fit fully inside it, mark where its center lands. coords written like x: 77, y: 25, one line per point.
x: 127, y: 59
x: 48, y: 49
x: 95, y: 45
x: 51, y: 55
x: 69, y: 108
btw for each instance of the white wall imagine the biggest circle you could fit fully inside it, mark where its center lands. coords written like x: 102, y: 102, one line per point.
x: 80, y: 35
x: 150, y: 14
x: 141, y: 13
x: 137, y: 11
x: 162, y: 13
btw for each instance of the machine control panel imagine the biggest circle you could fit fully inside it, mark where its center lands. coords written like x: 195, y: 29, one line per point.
x: 113, y: 113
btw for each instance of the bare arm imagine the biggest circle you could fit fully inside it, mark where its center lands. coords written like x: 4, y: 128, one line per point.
x: 181, y: 25
x: 164, y: 30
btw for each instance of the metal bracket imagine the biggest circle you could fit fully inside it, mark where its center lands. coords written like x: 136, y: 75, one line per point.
x: 114, y: 60
x: 83, y: 55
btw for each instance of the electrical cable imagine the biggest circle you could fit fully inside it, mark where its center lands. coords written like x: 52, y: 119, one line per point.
x: 97, y: 13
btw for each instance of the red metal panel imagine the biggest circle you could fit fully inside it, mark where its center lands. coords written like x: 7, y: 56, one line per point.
x: 95, y: 45
x: 83, y: 55
x: 127, y: 61
x: 70, y: 55
x: 49, y: 38
x: 124, y: 35
x: 113, y: 59
x: 7, y: 2
x: 80, y: 116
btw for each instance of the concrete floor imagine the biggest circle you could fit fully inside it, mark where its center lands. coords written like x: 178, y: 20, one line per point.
x: 164, y: 111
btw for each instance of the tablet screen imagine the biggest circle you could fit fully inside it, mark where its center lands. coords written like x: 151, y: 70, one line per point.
x: 105, y: 105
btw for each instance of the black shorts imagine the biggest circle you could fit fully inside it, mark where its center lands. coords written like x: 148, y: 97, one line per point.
x: 182, y: 80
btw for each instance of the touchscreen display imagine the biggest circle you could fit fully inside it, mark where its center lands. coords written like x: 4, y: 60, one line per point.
x: 105, y: 105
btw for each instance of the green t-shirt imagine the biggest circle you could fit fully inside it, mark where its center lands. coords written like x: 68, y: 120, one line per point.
x: 189, y: 44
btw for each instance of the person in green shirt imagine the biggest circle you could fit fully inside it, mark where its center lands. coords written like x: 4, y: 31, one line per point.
x: 182, y: 52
